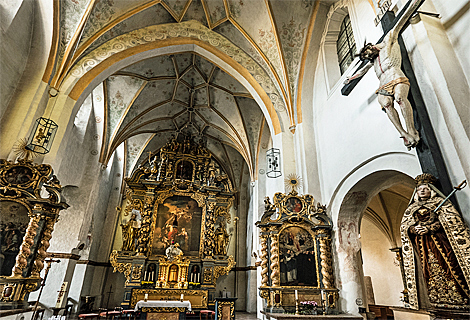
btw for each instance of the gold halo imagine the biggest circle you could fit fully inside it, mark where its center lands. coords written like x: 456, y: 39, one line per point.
x: 22, y: 152
x: 293, y: 182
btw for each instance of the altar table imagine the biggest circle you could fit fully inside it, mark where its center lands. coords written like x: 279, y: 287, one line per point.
x: 163, y: 306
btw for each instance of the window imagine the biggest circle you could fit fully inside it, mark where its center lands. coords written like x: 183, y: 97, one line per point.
x: 345, y: 45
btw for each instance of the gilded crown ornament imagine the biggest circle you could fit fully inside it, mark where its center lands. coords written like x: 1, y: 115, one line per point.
x: 425, y: 178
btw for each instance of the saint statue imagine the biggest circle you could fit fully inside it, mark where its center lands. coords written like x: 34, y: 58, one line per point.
x: 436, y: 249
x: 221, y: 241
x: 129, y: 233
x: 385, y: 57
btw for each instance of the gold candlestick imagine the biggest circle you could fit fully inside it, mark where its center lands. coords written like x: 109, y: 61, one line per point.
x: 297, y: 306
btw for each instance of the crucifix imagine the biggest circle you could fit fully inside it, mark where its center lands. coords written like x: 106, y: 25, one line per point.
x: 401, y: 86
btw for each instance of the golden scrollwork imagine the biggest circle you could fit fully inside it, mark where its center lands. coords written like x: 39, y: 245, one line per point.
x: 133, y: 204
x: 222, y: 212
x: 124, y: 268
x: 207, y: 275
x: 220, y: 271
x: 136, y: 272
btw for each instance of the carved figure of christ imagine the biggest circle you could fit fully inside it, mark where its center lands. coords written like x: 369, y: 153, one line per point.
x: 386, y: 58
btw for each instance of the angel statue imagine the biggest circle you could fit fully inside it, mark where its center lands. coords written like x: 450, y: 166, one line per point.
x: 436, y: 249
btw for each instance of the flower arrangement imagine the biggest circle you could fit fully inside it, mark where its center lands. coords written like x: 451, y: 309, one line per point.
x: 309, y: 307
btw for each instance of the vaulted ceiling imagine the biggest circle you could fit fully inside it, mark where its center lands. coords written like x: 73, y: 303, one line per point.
x: 150, y: 100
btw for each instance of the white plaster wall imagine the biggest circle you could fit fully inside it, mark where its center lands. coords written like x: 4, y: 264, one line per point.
x: 379, y: 263
x: 22, y: 69
x: 17, y: 30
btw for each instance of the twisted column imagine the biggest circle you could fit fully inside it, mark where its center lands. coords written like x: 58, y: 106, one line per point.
x: 49, y: 222
x: 275, y: 275
x: 326, y: 262
x: 209, y: 231
x: 144, y: 231
x: 28, y: 241
x: 264, y: 261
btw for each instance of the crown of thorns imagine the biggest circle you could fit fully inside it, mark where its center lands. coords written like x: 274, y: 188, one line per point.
x: 362, y: 52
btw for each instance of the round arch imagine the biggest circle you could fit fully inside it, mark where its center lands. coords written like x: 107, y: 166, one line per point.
x: 348, y: 203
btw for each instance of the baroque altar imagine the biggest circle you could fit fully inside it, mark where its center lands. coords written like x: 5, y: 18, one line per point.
x: 30, y: 202
x: 296, y: 258
x: 174, y: 226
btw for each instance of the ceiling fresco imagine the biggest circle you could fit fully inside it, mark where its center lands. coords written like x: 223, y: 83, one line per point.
x: 152, y: 99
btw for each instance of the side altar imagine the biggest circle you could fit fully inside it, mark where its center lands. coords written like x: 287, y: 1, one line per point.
x: 296, y: 259
x: 174, y: 226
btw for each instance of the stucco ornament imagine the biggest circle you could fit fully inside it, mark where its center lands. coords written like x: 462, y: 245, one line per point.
x: 436, y: 247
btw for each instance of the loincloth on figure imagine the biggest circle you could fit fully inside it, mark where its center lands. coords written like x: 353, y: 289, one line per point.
x: 388, y: 89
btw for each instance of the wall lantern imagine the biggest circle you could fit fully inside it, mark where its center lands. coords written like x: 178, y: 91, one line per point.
x: 42, y: 135
x: 273, y: 157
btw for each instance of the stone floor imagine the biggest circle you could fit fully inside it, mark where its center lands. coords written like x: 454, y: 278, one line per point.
x: 245, y: 316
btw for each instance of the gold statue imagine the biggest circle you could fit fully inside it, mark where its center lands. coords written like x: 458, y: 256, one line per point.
x: 221, y: 241
x: 129, y: 233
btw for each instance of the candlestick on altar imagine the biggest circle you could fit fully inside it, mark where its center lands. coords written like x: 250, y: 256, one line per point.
x: 146, y: 297
x: 182, y: 297
x: 296, y: 302
x: 145, y: 276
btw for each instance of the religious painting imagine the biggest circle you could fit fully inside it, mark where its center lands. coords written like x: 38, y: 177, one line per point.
x: 14, y: 221
x: 293, y: 205
x: 297, y: 258
x: 184, y: 170
x: 178, y: 221
x: 18, y: 175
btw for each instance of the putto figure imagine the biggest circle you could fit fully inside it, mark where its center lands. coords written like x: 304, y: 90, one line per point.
x: 436, y: 248
x: 394, y: 86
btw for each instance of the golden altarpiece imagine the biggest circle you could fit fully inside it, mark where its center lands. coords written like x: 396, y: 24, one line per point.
x: 296, y: 258
x: 175, y: 239
x: 30, y: 202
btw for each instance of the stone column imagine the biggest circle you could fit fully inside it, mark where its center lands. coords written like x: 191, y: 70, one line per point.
x: 350, y: 266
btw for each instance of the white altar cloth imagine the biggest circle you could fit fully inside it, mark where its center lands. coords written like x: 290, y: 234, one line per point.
x: 163, y: 304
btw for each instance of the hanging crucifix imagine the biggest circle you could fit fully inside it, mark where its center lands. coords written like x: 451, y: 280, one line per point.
x: 386, y: 59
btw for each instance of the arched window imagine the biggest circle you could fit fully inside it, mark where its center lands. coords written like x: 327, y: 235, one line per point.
x: 345, y: 45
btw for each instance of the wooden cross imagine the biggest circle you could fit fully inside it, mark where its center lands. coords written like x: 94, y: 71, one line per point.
x: 429, y: 154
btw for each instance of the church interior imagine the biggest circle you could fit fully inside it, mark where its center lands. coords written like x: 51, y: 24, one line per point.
x: 234, y: 159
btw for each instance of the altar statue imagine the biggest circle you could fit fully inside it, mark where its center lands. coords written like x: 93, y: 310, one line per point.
x: 221, y: 241
x: 436, y: 248
x: 129, y: 233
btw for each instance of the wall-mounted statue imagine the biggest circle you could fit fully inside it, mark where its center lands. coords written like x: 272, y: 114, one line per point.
x: 385, y: 57
x: 221, y: 241
x: 129, y: 233
x: 436, y: 248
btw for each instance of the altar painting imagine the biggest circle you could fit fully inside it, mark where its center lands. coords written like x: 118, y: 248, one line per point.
x: 13, y: 223
x: 178, y: 220
x: 297, y: 258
